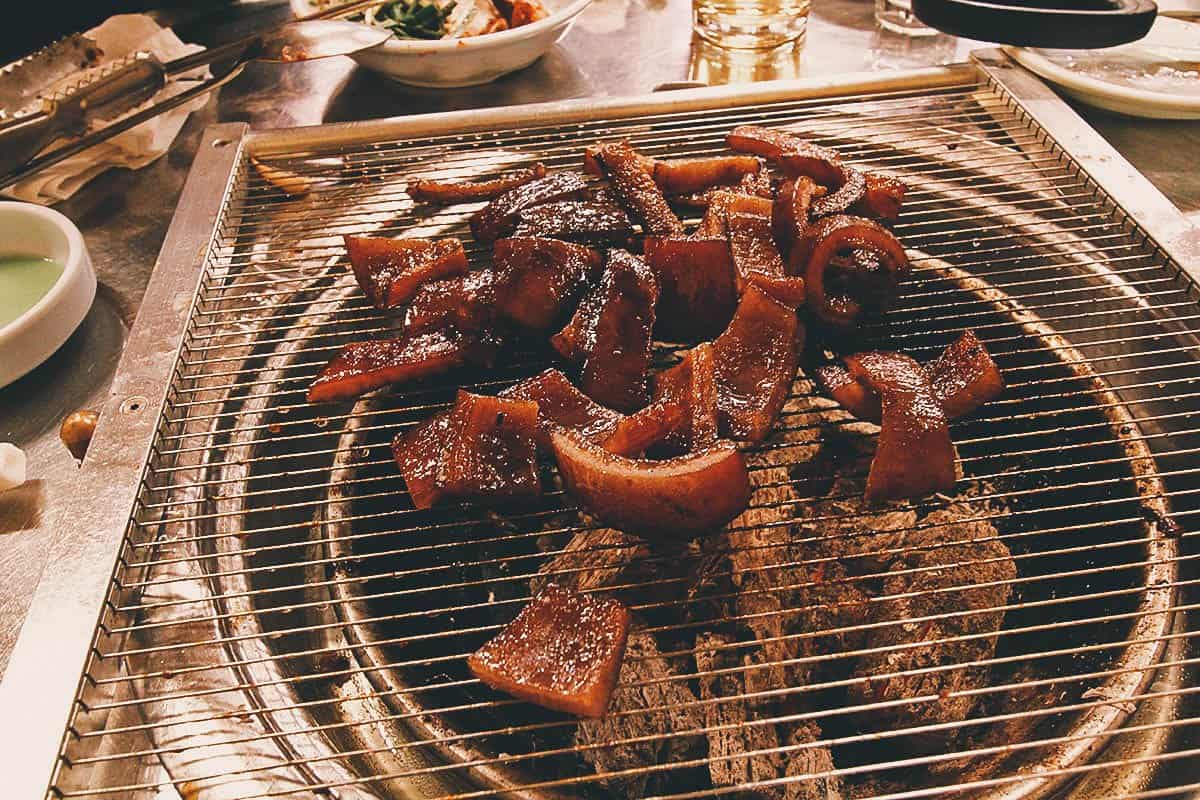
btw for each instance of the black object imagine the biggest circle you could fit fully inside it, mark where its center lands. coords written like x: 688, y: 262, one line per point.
x: 1078, y: 24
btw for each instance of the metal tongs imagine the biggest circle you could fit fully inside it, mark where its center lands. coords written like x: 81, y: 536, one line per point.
x: 132, y: 82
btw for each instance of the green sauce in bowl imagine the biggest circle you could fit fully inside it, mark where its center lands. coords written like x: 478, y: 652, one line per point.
x: 24, y: 280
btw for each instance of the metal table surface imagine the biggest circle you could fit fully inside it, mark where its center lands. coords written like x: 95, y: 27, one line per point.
x: 617, y: 47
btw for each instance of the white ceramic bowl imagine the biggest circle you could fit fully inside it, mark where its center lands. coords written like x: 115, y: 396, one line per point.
x: 450, y: 63
x: 30, y: 230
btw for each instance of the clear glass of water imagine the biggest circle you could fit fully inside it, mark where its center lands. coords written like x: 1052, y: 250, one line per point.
x: 750, y: 24
x: 897, y: 16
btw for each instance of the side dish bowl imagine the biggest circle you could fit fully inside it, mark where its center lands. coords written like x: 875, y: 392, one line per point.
x: 31, y: 230
x: 451, y: 63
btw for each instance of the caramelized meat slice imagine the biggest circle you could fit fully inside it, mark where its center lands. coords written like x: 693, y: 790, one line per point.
x: 577, y: 221
x: 465, y: 304
x: 593, y: 165
x: 914, y: 456
x: 697, y: 291
x: 611, y: 333
x: 849, y: 189
x: 562, y: 652
x: 840, y: 282
x: 481, y: 449
x: 426, y: 190
x: 766, y: 142
x: 853, y: 395
x: 538, y: 279
x: 361, y: 367
x: 637, y: 190
x: 677, y: 498
x: 692, y: 384
x: 748, y: 225
x: 790, y: 213
x: 685, y: 175
x: 561, y: 405
x: 756, y: 259
x: 964, y: 376
x: 638, y: 432
x: 418, y: 454
x: 499, y: 217
x: 391, y: 271
x: 755, y: 362
x: 882, y: 199
x: 491, y: 453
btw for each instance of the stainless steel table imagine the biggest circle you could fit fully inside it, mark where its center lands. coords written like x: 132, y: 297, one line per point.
x: 617, y: 47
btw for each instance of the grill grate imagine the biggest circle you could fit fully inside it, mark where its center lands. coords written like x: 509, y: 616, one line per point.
x: 282, y: 622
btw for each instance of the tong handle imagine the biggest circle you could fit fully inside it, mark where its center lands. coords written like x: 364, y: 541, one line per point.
x: 72, y: 111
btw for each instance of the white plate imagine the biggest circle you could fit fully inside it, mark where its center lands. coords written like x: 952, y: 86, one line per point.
x: 29, y: 230
x: 1158, y: 76
x: 450, y: 63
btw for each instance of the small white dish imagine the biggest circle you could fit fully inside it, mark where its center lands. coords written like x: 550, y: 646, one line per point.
x: 453, y: 63
x: 1157, y: 76
x: 31, y: 230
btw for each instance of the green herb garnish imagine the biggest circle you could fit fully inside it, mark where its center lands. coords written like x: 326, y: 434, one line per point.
x: 412, y: 19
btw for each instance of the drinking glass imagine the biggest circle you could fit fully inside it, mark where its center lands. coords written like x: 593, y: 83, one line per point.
x: 750, y: 24
x: 897, y: 16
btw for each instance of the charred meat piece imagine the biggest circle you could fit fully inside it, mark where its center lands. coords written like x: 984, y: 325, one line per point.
x: 957, y: 590
x: 770, y: 143
x: 391, y: 271
x: 692, y: 384
x: 538, y: 279
x: 790, y: 214
x: 964, y: 376
x: 757, y: 184
x: 562, y: 652
x: 427, y: 190
x: 756, y: 360
x: 644, y: 429
x: 584, y: 221
x: 697, y: 287
x: 464, y: 304
x: 882, y: 199
x: 482, y: 449
x: 499, y: 217
x: 561, y: 405
x: 611, y: 334
x: 361, y: 367
x: 638, y: 192
x: 687, y: 175
x: 673, y: 499
x: 840, y: 287
x: 647, y: 681
x: 914, y: 456
x: 491, y: 453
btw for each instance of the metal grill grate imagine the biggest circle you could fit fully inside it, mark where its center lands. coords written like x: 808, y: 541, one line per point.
x: 282, y: 622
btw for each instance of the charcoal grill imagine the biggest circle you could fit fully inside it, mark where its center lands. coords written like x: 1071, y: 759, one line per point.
x: 281, y: 623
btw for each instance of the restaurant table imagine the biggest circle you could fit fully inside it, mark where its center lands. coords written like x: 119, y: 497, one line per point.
x: 617, y: 47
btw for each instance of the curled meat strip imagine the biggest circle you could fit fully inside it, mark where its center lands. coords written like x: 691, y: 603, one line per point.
x: 850, y: 264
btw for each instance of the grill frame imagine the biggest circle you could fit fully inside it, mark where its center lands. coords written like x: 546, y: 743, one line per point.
x: 77, y: 578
